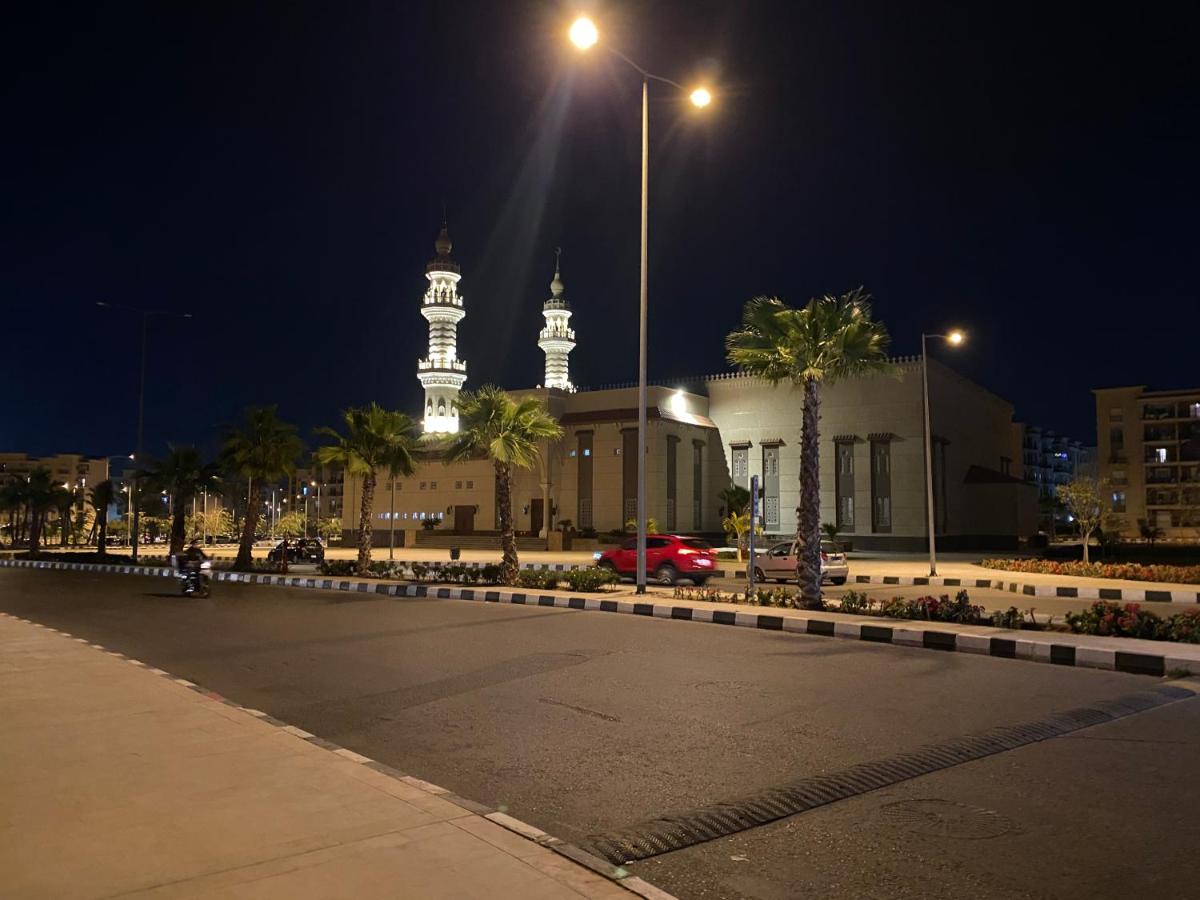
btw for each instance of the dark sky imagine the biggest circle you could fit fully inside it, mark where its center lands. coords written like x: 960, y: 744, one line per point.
x: 278, y: 169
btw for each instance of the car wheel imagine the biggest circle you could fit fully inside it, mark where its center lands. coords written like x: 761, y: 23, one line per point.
x: 758, y: 575
x: 838, y: 580
x: 666, y: 575
x: 698, y: 580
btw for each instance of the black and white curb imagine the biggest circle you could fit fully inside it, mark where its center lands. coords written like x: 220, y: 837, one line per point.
x: 615, y: 873
x: 1080, y: 592
x: 1002, y: 644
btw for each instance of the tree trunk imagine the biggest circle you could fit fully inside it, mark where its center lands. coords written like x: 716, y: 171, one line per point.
x: 808, y: 528
x: 64, y: 527
x: 178, y: 528
x: 1087, y: 536
x: 35, y: 534
x: 102, y: 531
x: 509, y: 565
x: 245, y: 556
x: 364, y: 522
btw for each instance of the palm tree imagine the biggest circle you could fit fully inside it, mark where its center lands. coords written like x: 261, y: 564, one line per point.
x: 376, y: 440
x: 507, y: 431
x: 829, y: 339
x: 12, y: 501
x: 40, y: 498
x: 262, y: 449
x: 101, y: 498
x: 64, y: 504
x: 182, y: 474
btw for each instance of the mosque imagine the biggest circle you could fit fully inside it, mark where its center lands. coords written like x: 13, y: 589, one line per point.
x: 704, y: 434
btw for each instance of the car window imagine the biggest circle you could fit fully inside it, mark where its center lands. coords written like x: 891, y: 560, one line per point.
x: 696, y: 544
x: 630, y: 544
x: 830, y: 547
x: 657, y: 543
x: 781, y: 549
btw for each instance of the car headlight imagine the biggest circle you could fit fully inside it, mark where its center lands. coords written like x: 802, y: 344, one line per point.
x: 596, y: 554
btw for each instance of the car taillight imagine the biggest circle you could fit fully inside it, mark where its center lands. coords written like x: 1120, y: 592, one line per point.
x: 824, y: 556
x: 687, y: 551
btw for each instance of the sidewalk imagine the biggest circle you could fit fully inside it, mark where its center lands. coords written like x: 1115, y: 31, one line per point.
x: 119, y: 780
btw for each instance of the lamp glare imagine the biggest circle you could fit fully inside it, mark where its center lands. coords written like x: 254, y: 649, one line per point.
x: 583, y: 33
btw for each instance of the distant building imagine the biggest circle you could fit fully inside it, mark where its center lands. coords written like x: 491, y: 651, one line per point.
x: 1149, y: 455
x: 1051, y: 459
x: 72, y: 470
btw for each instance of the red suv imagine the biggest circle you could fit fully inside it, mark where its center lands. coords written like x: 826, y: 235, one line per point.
x: 668, y: 558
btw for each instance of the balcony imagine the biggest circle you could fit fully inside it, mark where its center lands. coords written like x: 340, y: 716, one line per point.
x: 1161, y: 455
x: 1158, y: 411
x: 1161, y: 476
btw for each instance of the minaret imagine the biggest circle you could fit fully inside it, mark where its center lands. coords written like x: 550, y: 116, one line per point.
x: 442, y: 373
x: 557, y: 339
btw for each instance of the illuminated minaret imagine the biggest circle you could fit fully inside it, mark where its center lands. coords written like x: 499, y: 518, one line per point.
x: 442, y: 373
x: 557, y: 339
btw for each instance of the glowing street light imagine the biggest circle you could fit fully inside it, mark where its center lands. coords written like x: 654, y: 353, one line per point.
x: 584, y: 35
x: 955, y: 338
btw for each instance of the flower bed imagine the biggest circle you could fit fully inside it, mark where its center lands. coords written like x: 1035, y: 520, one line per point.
x: 584, y: 580
x: 1127, y: 571
x: 1129, y: 620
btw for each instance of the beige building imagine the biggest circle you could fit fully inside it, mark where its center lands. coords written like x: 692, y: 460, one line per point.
x: 708, y: 433
x: 74, y: 470
x: 1149, y: 457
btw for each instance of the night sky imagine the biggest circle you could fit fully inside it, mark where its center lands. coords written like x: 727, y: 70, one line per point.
x: 279, y: 170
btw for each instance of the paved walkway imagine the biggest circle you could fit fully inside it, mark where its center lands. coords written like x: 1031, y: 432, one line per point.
x: 117, y: 781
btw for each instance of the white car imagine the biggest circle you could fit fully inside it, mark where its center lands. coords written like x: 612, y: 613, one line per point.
x: 779, y: 563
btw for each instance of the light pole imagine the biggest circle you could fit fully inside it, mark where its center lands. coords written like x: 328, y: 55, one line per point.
x: 584, y: 35
x: 317, y: 525
x: 146, y: 314
x: 953, y: 338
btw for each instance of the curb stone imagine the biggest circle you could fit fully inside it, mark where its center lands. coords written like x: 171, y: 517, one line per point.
x: 998, y: 643
x: 1078, y: 592
x: 616, y: 874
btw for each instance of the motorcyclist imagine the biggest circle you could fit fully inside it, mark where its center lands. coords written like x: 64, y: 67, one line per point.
x: 191, y: 566
x: 194, y: 555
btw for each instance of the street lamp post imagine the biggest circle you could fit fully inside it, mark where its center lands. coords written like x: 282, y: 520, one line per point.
x: 146, y: 314
x: 954, y: 338
x: 584, y: 35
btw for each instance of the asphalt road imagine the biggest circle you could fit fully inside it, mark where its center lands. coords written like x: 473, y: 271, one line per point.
x: 587, y: 723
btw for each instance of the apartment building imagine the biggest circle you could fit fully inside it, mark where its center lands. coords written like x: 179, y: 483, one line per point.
x: 1149, y: 457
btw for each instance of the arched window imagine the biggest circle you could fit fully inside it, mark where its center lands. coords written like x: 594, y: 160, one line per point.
x: 441, y: 407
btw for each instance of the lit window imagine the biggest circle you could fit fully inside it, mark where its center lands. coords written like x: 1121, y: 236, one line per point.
x: 433, y: 485
x: 1160, y: 454
x: 571, y: 453
x: 587, y: 451
x: 1194, y: 410
x: 470, y: 485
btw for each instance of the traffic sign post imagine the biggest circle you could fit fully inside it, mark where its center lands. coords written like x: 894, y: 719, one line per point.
x: 753, y: 522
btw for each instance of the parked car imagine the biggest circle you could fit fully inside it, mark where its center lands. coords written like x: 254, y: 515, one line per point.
x: 299, y: 551
x: 669, y: 557
x: 779, y: 563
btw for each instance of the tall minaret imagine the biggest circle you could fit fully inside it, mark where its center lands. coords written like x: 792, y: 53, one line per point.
x: 442, y: 373
x: 557, y: 339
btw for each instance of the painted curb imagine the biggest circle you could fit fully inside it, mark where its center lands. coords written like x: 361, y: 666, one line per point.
x: 1002, y: 644
x: 616, y: 874
x: 1080, y: 592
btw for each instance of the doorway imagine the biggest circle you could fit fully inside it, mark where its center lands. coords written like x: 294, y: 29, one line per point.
x: 537, y: 515
x: 464, y: 519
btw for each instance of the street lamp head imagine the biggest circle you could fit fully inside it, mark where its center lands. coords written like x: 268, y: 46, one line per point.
x: 700, y: 97
x: 956, y: 337
x: 583, y: 33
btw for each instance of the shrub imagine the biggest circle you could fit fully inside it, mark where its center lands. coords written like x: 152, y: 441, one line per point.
x: 539, y: 579
x: 338, y: 567
x: 1184, y: 626
x: 857, y: 604
x: 1009, y: 618
x: 727, y: 554
x: 712, y: 595
x: 490, y: 574
x: 1127, y: 571
x: 1105, y: 617
x: 935, y: 609
x: 592, y: 578
x: 383, y: 569
x: 770, y: 597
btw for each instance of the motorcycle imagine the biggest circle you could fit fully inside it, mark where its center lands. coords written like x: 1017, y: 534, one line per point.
x: 194, y: 580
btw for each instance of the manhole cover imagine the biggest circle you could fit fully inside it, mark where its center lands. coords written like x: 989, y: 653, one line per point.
x: 942, y: 818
